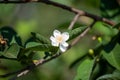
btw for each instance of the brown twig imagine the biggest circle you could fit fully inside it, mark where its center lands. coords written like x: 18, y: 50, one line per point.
x: 82, y: 34
x: 27, y: 69
x: 71, y: 9
x: 73, y: 21
x: 77, y: 11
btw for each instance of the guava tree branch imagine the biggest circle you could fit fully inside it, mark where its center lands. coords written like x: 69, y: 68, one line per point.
x: 71, y: 9
x: 27, y: 69
x: 78, y: 13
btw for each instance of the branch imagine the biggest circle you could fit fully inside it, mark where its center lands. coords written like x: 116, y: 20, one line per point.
x: 73, y: 21
x: 78, y: 13
x: 71, y: 9
x: 82, y: 34
x: 27, y: 69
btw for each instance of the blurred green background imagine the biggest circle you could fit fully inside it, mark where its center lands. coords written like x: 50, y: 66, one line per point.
x: 42, y: 18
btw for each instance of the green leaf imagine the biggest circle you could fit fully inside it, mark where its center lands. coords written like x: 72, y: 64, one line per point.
x: 113, y: 57
x: 13, y: 40
x: 80, y: 59
x: 106, y: 32
x: 10, y: 35
x: 114, y: 76
x: 108, y: 47
x: 40, y: 38
x: 12, y: 51
x: 32, y: 44
x: 103, y: 29
x: 18, y: 40
x: 110, y: 9
x: 7, y: 33
x: 23, y: 52
x: 47, y: 54
x: 35, y: 46
x: 84, y: 70
x: 75, y: 32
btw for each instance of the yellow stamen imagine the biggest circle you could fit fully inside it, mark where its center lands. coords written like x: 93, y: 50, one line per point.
x: 59, y: 39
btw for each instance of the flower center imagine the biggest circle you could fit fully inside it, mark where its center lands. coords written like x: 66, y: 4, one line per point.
x: 59, y: 39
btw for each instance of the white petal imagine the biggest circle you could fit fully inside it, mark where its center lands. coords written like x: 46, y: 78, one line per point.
x: 55, y: 44
x: 52, y: 39
x: 56, y: 33
x: 65, y: 36
x: 62, y: 48
x: 65, y: 44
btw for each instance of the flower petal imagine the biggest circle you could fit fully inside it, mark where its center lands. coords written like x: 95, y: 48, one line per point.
x: 56, y: 33
x: 52, y: 39
x: 65, y: 36
x: 65, y: 44
x: 62, y: 48
x: 55, y: 44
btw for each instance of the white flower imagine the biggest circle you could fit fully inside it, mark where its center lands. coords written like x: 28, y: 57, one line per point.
x: 59, y: 39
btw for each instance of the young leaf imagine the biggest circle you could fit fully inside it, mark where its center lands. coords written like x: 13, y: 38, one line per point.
x: 84, y: 70
x: 75, y: 32
x: 34, y: 46
x: 40, y: 38
x: 113, y: 57
x: 12, y: 51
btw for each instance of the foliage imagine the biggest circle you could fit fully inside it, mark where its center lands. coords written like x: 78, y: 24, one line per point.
x: 108, y: 11
x: 100, y: 59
